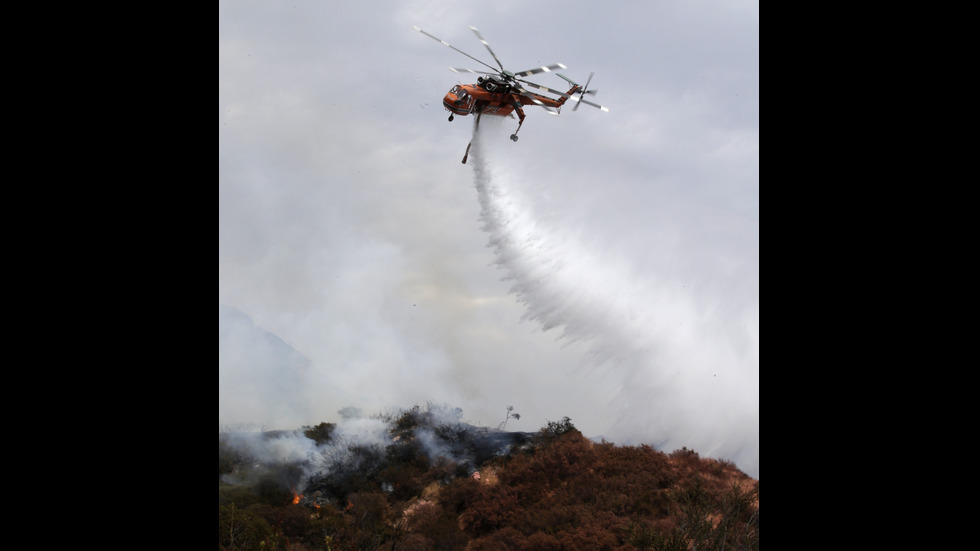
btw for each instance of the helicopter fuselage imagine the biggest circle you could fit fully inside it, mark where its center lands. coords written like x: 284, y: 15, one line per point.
x: 464, y: 99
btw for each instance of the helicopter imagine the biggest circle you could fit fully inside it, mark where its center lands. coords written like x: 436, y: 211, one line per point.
x: 501, y: 93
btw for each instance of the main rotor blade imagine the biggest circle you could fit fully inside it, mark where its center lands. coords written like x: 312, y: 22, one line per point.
x: 444, y: 43
x: 570, y: 81
x: 537, y: 70
x: 545, y: 88
x: 477, y: 33
x: 458, y: 70
x: 529, y: 95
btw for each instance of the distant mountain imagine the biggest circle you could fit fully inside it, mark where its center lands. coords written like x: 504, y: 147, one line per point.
x: 233, y: 324
x: 260, y: 376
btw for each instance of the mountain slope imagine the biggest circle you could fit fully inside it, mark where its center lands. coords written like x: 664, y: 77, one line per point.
x: 259, y: 374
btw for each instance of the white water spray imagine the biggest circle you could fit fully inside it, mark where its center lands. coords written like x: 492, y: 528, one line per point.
x: 661, y: 351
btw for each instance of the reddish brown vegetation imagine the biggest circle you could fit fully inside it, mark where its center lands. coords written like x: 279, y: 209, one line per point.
x: 562, y: 493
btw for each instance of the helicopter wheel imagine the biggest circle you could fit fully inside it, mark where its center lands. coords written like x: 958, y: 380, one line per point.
x: 450, y: 118
x: 513, y: 137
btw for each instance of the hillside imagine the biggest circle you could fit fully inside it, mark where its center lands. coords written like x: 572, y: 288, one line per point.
x: 420, y: 479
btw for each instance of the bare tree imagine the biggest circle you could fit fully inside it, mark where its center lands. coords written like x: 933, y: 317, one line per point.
x: 509, y: 415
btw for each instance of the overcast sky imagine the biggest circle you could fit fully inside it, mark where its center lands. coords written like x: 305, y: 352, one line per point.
x: 605, y: 267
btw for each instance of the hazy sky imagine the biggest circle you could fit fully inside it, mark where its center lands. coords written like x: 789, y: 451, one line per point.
x: 605, y: 267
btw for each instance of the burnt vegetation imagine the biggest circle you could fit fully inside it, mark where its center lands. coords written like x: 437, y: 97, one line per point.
x: 439, y: 484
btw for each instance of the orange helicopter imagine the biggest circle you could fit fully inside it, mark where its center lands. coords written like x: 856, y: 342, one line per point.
x: 500, y: 93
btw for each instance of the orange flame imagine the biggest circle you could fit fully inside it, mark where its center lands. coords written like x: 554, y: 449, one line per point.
x: 297, y: 497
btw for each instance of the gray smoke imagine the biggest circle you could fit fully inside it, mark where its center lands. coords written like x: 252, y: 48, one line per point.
x: 255, y: 366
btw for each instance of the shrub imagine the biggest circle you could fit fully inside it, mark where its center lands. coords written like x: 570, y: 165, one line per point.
x: 492, y: 510
x: 228, y: 457
x: 241, y: 496
x: 320, y: 433
x: 241, y: 529
x: 555, y: 429
x: 589, y: 537
x: 505, y: 539
x: 415, y: 542
x: 293, y: 521
x: 369, y: 512
x: 459, y: 494
x: 686, y: 457
x: 539, y: 541
x: 642, y: 535
x: 421, y: 516
x: 271, y: 490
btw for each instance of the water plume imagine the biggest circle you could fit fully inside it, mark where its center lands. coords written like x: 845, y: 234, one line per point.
x: 660, y: 347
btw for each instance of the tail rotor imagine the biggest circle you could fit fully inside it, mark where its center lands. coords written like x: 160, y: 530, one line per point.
x: 583, y: 92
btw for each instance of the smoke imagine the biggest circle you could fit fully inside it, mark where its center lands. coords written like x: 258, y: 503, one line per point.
x: 684, y: 379
x: 257, y: 367
x: 324, y: 460
x: 673, y: 374
x: 291, y: 458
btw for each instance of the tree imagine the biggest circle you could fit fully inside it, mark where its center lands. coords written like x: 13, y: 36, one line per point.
x: 517, y: 416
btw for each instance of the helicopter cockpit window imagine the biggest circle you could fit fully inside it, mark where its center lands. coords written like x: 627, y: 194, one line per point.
x: 456, y: 90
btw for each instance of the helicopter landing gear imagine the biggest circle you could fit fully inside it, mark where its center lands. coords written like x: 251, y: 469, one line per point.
x: 450, y: 118
x: 520, y: 116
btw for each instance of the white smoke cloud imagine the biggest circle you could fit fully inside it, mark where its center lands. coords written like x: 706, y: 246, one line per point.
x: 277, y: 449
x: 257, y: 367
x: 294, y: 459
